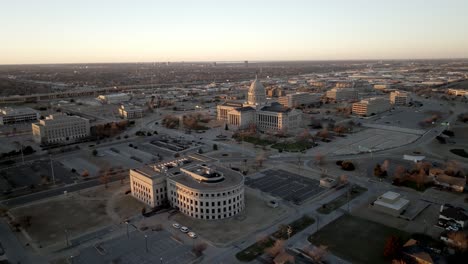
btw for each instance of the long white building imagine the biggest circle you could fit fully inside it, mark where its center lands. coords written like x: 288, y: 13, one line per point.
x: 371, y: 106
x: 399, y: 98
x: 60, y: 128
x: 342, y: 94
x: 117, y: 98
x: 298, y: 99
x: 199, y: 189
x: 9, y: 115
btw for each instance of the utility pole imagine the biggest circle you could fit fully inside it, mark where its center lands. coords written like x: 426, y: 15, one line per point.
x: 52, y: 169
x: 66, y: 237
x: 146, y: 243
x: 128, y: 236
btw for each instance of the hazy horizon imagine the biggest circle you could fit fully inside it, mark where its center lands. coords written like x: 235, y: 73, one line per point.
x: 59, y: 32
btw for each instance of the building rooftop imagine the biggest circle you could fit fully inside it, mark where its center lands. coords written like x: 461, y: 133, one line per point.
x: 276, y: 107
x: 16, y: 111
x: 222, y: 178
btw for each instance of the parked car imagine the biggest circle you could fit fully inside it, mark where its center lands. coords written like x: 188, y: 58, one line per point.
x: 184, y: 229
x: 192, y: 234
x: 176, y: 225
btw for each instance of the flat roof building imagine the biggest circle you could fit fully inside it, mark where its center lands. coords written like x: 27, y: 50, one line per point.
x: 342, y: 94
x: 60, y: 128
x: 391, y: 203
x: 299, y: 99
x: 10, y: 115
x: 399, y: 98
x: 130, y: 112
x: 371, y: 106
x: 114, y: 98
x: 197, y: 187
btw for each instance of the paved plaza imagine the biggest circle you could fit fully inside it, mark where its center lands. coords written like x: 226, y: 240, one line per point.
x: 133, y: 250
x: 286, y: 185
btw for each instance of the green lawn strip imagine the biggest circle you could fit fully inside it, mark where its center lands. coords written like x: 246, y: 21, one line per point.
x: 341, y: 200
x: 413, y: 185
x: 258, y: 248
x: 293, y: 146
x: 296, y: 227
x: 258, y: 141
x: 254, y: 250
x: 356, y: 240
x: 460, y: 152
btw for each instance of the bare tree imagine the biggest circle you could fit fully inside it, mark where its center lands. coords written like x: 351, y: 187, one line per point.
x: 198, y: 248
x: 459, y: 240
x: 400, y: 174
x: 276, y: 249
x: 319, y: 159
x: 343, y: 179
x: 260, y: 159
x: 318, y: 254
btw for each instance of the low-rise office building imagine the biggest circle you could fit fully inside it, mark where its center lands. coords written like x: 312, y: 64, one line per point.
x: 130, y: 112
x: 458, y: 92
x: 391, y: 203
x: 371, y: 106
x: 342, y: 94
x: 399, y: 98
x: 117, y: 98
x: 10, y: 115
x: 299, y: 99
x: 199, y: 189
x: 60, y: 128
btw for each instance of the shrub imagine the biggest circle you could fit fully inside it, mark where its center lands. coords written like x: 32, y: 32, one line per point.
x: 339, y: 162
x: 347, y: 166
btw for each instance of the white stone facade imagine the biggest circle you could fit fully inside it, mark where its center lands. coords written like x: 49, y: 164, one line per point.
x: 60, y: 128
x: 371, y: 106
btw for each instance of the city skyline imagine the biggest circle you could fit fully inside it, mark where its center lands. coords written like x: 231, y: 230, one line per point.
x: 148, y: 31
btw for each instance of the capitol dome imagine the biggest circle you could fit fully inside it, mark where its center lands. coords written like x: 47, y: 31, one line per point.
x: 256, y: 94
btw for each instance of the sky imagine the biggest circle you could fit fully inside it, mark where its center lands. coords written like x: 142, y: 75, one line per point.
x: 87, y: 31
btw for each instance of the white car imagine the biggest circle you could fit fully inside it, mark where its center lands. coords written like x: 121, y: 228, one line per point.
x: 192, y: 234
x: 176, y: 225
x: 184, y: 229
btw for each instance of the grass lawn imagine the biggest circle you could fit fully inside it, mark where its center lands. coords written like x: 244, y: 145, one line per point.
x: 258, y: 141
x: 341, y: 200
x: 254, y: 250
x: 293, y: 146
x: 296, y: 226
x: 460, y: 152
x: 414, y: 186
x: 356, y: 239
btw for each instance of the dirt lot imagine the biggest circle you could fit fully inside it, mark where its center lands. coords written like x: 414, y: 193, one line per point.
x: 221, y: 232
x: 79, y: 213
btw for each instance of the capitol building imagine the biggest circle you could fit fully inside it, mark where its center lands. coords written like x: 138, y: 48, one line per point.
x: 268, y: 117
x: 195, y: 185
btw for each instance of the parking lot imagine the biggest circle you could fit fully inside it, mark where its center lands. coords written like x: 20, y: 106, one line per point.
x: 286, y: 185
x: 33, y: 174
x: 173, y: 144
x: 161, y: 249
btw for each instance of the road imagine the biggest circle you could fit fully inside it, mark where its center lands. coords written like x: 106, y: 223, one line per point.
x: 54, y: 192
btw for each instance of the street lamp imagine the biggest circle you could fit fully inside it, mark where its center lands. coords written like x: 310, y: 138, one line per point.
x: 146, y: 243
x: 52, y: 169
x: 128, y: 236
x: 66, y: 237
x: 71, y: 259
x: 161, y: 260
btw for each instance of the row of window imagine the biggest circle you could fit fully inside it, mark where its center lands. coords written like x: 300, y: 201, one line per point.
x: 206, y: 203
x: 196, y: 194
